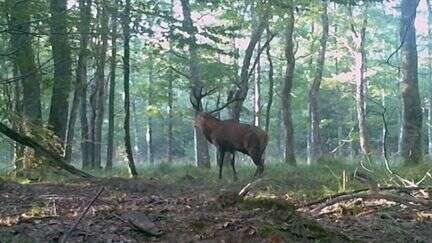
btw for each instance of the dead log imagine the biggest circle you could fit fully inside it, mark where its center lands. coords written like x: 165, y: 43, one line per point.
x: 388, y: 188
x: 53, y: 159
x: 409, y: 202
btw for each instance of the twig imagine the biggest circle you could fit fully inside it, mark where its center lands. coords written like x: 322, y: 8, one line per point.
x: 66, y: 236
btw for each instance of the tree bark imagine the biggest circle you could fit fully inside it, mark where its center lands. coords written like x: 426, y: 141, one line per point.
x: 170, y: 92
x: 80, y: 80
x: 112, y: 85
x: 412, y: 146
x: 429, y: 125
x: 314, y: 110
x: 25, y: 59
x: 202, y: 157
x: 100, y: 85
x: 287, y: 88
x: 240, y: 90
x: 20, y: 20
x: 271, y: 84
x: 126, y: 80
x: 257, y: 92
x: 149, y: 131
x: 61, y: 51
x: 359, y: 54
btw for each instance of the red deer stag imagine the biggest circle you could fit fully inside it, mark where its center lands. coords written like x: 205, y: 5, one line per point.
x: 231, y: 136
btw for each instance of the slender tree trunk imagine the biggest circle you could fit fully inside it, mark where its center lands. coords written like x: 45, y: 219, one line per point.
x: 170, y: 118
x: 126, y: 72
x: 17, y: 109
x: 429, y: 116
x: 287, y: 87
x: 100, y: 86
x: 314, y: 111
x: 170, y: 137
x: 58, y: 117
x: 112, y: 85
x: 79, y: 81
x: 340, y: 142
x: 359, y: 72
x: 201, y: 147
x: 257, y: 92
x: 412, y: 151
x: 429, y: 124
x: 271, y: 84
x: 149, y: 131
x: 383, y: 132
x: 81, y: 78
x: 239, y: 92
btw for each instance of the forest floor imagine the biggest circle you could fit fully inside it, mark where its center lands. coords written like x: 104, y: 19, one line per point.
x: 185, y: 204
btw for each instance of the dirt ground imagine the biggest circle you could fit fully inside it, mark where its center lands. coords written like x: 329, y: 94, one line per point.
x: 146, y: 210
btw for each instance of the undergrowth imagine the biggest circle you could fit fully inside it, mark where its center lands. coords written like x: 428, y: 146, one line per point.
x: 299, y: 182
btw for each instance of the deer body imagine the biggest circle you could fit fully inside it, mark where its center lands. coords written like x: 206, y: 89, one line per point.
x: 231, y: 136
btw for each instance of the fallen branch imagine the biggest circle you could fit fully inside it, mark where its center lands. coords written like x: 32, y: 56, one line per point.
x: 388, y: 188
x: 398, y: 199
x: 68, y: 233
x: 54, y: 159
x: 247, y: 188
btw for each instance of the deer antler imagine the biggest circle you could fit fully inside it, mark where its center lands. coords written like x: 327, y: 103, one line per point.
x: 198, y: 96
x: 226, y: 105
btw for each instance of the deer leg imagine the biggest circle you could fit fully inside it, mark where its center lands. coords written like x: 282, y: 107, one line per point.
x: 233, y: 166
x: 260, y: 167
x: 221, y: 156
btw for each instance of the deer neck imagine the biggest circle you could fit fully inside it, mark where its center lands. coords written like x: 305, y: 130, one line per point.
x: 209, y: 126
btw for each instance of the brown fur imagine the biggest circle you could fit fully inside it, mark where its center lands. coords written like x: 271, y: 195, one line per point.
x: 231, y: 136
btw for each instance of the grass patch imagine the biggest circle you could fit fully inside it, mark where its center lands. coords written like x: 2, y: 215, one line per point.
x: 304, y: 182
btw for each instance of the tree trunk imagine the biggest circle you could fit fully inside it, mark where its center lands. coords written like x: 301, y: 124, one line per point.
x: 58, y: 117
x: 100, y: 86
x: 257, y: 92
x: 112, y: 84
x: 81, y: 78
x: 412, y: 151
x: 359, y: 72
x: 25, y: 59
x: 139, y: 146
x: 21, y: 39
x: 17, y: 109
x: 239, y: 91
x: 271, y: 84
x: 170, y: 118
x: 149, y: 131
x: 429, y: 124
x: 383, y: 131
x: 170, y: 100
x: 287, y: 87
x: 202, y: 157
x: 126, y: 72
x: 314, y: 111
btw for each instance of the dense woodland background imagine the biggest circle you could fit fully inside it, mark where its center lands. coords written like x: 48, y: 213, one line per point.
x: 105, y: 83
x: 109, y: 90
